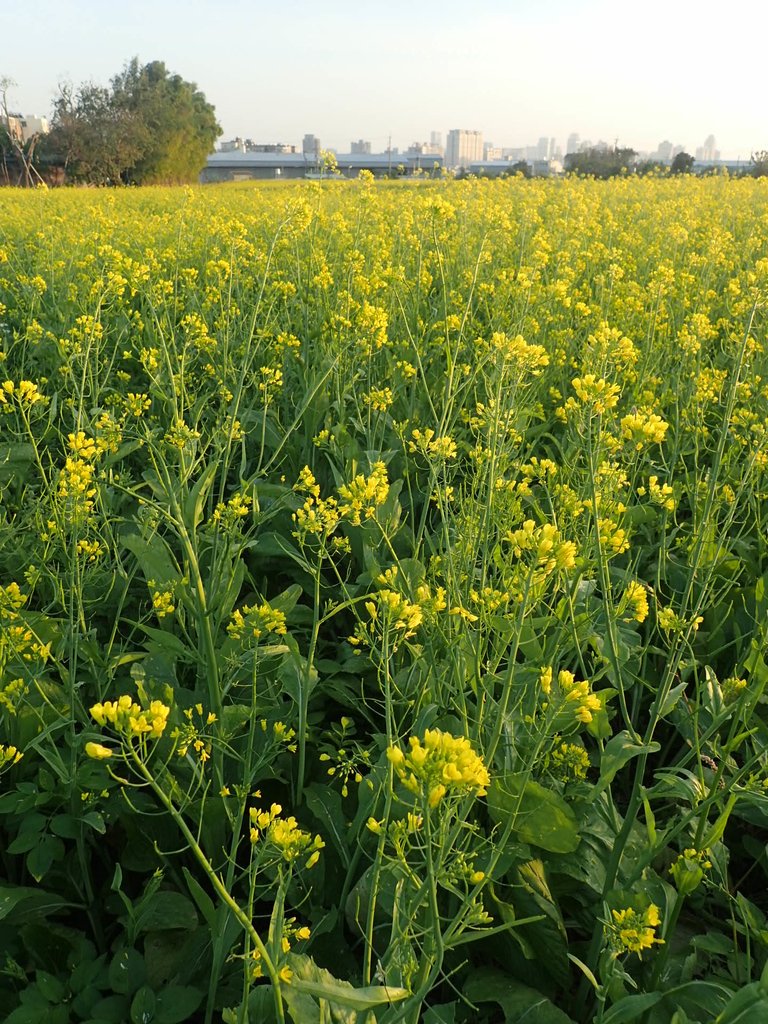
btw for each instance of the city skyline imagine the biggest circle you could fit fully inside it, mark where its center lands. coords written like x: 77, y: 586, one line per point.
x: 513, y: 71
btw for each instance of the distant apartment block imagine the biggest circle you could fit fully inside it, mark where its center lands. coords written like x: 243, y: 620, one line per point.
x: 310, y: 147
x: 22, y: 127
x: 359, y: 147
x: 463, y: 148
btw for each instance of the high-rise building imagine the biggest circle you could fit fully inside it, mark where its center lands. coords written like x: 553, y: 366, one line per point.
x: 664, y: 151
x: 310, y: 147
x: 436, y: 139
x: 361, y: 146
x: 572, y: 145
x: 709, y: 149
x: 463, y: 148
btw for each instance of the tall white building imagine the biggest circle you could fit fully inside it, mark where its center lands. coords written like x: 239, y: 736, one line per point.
x: 463, y: 148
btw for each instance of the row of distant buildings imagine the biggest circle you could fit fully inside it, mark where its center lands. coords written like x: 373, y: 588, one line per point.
x: 465, y: 151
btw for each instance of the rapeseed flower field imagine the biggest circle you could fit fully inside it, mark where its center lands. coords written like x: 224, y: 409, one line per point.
x: 384, y: 603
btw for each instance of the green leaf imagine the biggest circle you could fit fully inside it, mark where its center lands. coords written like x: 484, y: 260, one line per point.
x: 202, y: 899
x: 48, y: 850
x: 112, y: 1010
x: 154, y: 556
x: 166, y: 911
x: 143, y: 1006
x: 50, y: 987
x: 631, y: 1008
x: 176, y: 1004
x: 65, y: 825
x: 95, y: 821
x: 193, y: 506
x: 539, y: 815
x: 309, y: 980
x: 517, y: 1001
x: 127, y: 972
x: 618, y: 751
x: 326, y: 806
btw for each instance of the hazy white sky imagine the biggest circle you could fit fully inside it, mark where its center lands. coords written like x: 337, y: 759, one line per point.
x: 514, y: 69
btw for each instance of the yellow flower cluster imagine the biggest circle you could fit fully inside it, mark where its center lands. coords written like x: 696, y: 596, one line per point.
x: 688, y: 870
x: 660, y: 494
x: 230, y: 514
x: 162, y: 603
x: 379, y: 399
x: 131, y: 720
x: 17, y: 641
x: 595, y: 392
x: 577, y: 695
x: 635, y: 601
x: 11, y: 601
x: 550, y: 552
x: 75, y: 489
x: 632, y: 931
x: 181, y: 436
x: 26, y: 393
x: 284, y: 835
x: 613, y: 538
x: 518, y: 351
x: 567, y: 762
x: 9, y: 755
x: 437, y: 448
x: 438, y: 765
x: 189, y: 735
x: 137, y: 403
x: 82, y: 446
x: 642, y: 428
x: 671, y: 622
x: 256, y: 622
x: 360, y: 498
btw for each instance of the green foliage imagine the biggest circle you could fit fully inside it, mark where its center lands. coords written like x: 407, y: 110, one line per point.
x: 682, y: 163
x: 601, y: 162
x: 148, y: 127
x: 383, y: 594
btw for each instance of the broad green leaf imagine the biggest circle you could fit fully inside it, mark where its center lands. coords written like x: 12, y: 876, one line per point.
x: 154, y: 556
x: 176, y: 1004
x: 618, y: 751
x: 202, y: 899
x: 518, y: 1002
x: 164, y: 911
x: 127, y: 972
x: 143, y: 1006
x: 539, y: 816
x: 631, y: 1008
x: 193, y: 506
x: 311, y: 981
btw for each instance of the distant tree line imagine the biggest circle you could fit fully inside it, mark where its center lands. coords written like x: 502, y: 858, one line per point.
x: 606, y: 162
x: 147, y: 127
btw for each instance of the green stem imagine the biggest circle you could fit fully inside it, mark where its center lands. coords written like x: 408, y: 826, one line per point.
x: 221, y: 890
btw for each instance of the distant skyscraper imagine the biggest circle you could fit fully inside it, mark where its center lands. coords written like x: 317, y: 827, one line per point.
x: 664, y: 152
x: 436, y: 139
x: 310, y: 147
x: 463, y: 148
x: 359, y: 147
x: 542, y: 149
x: 572, y: 145
x: 709, y: 148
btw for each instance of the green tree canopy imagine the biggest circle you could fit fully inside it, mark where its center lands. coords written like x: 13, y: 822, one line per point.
x: 682, y: 163
x: 148, y: 127
x: 602, y: 162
